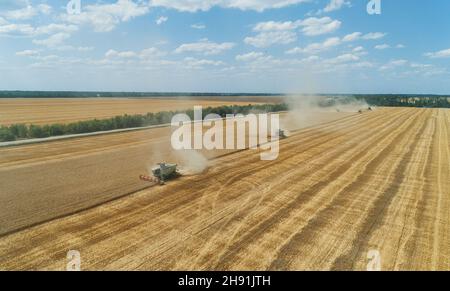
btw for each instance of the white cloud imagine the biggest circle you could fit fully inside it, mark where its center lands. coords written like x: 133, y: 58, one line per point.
x: 150, y: 53
x: 439, y: 54
x: 273, y: 32
x: 198, y: 63
x: 334, y: 5
x: 27, y: 53
x: 28, y: 30
x: 393, y: 64
x: 382, y: 46
x: 125, y: 54
x: 276, y: 26
x: 205, y: 5
x: 145, y: 54
x: 13, y: 29
x: 352, y: 37
x: 400, y: 46
x: 198, y: 26
x: 52, y: 41
x: 161, y: 20
x: 27, y: 12
x: 316, y: 47
x: 255, y: 61
x: 249, y: 56
x: 345, y: 58
x: 317, y: 26
x: 374, y: 35
x: 358, y: 49
x: 105, y: 17
x: 265, y: 39
x: 55, y: 28
x: 204, y: 46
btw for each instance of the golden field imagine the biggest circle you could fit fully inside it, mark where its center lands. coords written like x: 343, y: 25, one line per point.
x: 345, y: 185
x: 66, y: 110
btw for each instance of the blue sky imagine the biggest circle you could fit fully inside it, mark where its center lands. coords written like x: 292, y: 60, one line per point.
x: 277, y: 46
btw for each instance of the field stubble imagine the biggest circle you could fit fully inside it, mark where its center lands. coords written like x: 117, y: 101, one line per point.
x: 372, y: 181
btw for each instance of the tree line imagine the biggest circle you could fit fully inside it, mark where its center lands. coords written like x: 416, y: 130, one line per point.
x: 90, y: 94
x: 406, y: 100
x: 24, y: 131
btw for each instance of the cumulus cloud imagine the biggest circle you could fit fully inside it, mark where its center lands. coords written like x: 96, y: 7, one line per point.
x: 249, y: 56
x: 374, y: 35
x: 198, y: 26
x: 334, y: 5
x: 16, y: 29
x: 105, y: 17
x: 317, y: 26
x: 198, y: 63
x: 352, y: 36
x: 331, y: 42
x: 27, y: 53
x: 27, y: 12
x: 148, y: 53
x: 276, y: 26
x: 206, y: 47
x: 161, y: 20
x: 358, y: 49
x: 439, y: 54
x: 316, y: 47
x: 358, y: 35
x: 382, y: 46
x: 52, y: 41
x: 55, y: 28
x: 28, y: 30
x: 345, y: 58
x: 205, y: 5
x: 393, y: 64
x: 268, y: 38
x: 275, y: 32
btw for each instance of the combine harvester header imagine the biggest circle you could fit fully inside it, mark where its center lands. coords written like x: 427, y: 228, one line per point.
x: 161, y: 173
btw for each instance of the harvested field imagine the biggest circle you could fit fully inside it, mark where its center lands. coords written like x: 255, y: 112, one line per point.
x: 79, y: 173
x: 372, y: 181
x: 66, y: 110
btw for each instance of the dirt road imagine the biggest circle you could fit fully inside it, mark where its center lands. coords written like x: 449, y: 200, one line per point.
x: 374, y: 181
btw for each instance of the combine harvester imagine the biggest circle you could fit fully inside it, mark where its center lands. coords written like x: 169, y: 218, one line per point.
x: 162, y: 173
x: 282, y: 134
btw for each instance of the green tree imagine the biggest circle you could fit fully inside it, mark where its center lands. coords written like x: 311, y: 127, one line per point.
x: 6, y: 134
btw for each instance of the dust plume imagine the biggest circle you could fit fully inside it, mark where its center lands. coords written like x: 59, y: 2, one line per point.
x: 191, y: 162
x: 308, y: 110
